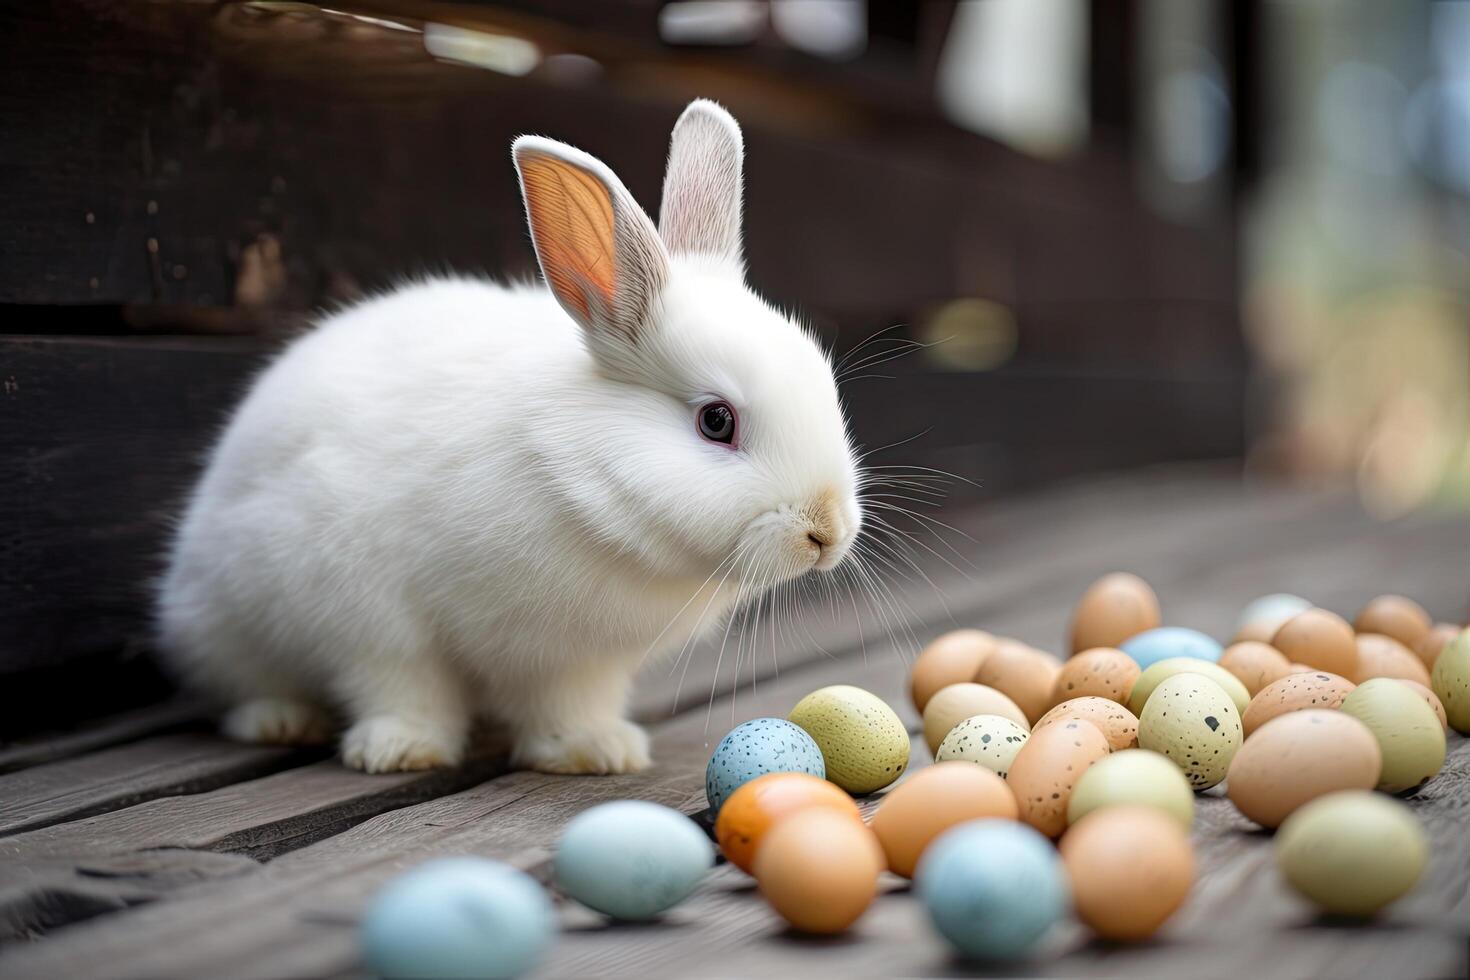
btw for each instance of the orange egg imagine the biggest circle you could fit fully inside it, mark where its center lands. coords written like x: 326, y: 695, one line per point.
x: 1112, y: 609
x: 1101, y: 672
x: 1255, y: 664
x: 819, y: 870
x: 753, y: 809
x: 1319, y: 639
x: 1118, y: 725
x: 931, y: 801
x: 1295, y: 692
x: 1047, y: 768
x: 1383, y: 656
x: 1432, y: 700
x: 951, y: 659
x: 1131, y: 868
x: 1429, y: 646
x: 1393, y: 615
x: 1023, y: 674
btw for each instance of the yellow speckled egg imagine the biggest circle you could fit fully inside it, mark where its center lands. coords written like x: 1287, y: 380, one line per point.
x: 1255, y: 664
x: 1319, y: 639
x: 951, y: 659
x: 1450, y: 680
x: 1295, y: 692
x: 863, y: 742
x: 986, y: 740
x: 1298, y: 757
x: 955, y: 703
x: 1116, y: 722
x: 1393, y: 615
x: 1353, y: 852
x: 1048, y: 767
x: 1101, y: 672
x: 1191, y: 719
x: 1133, y: 776
x: 1433, y: 643
x: 1023, y: 674
x: 1157, y: 673
x: 1383, y: 656
x: 1112, y: 609
x: 1407, y: 729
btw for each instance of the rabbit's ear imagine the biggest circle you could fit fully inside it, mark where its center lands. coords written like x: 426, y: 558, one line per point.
x: 702, y: 186
x: 599, y: 252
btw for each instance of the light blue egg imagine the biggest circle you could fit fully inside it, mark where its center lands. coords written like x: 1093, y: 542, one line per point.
x: 1151, y: 646
x: 756, y: 748
x: 992, y: 888
x: 631, y: 859
x: 1276, y: 609
x: 457, y: 917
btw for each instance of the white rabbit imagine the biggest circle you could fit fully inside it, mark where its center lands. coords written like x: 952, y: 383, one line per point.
x: 463, y: 499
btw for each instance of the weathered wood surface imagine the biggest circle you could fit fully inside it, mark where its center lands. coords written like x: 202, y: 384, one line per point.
x: 289, y: 906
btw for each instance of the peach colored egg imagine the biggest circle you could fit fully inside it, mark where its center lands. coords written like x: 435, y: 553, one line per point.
x: 753, y: 809
x: 1296, y: 668
x: 1047, y: 768
x: 1255, y: 664
x: 931, y: 801
x: 819, y: 870
x: 1023, y: 674
x: 1117, y: 723
x: 1131, y: 868
x: 951, y: 659
x: 1383, y: 656
x: 953, y: 704
x: 1101, y: 672
x: 1112, y: 609
x: 1295, y: 692
x: 1393, y: 615
x: 1432, y: 643
x: 1319, y: 639
x: 1296, y: 757
x: 1431, y: 699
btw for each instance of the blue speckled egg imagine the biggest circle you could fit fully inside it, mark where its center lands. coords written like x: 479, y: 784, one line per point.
x: 1151, y: 646
x: 992, y: 888
x: 756, y: 748
x: 457, y: 917
x: 631, y: 859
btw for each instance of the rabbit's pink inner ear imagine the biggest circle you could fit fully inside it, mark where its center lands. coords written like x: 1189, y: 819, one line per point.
x: 571, y: 218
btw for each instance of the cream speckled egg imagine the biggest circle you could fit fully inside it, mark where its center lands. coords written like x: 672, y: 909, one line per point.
x: 987, y: 740
x: 1191, y: 719
x: 955, y: 703
x: 1116, y: 722
x: 1352, y: 852
x: 1155, y: 675
x: 863, y: 742
x: 1450, y: 681
x: 1407, y: 729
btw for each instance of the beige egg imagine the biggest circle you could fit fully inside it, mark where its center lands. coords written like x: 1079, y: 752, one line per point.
x: 1319, y: 639
x: 953, y: 704
x: 1295, y: 668
x: 1116, y: 722
x: 1295, y: 692
x: 1431, y: 699
x: 1191, y: 719
x: 950, y: 659
x: 1297, y: 757
x: 1048, y: 767
x: 1112, y: 609
x: 1383, y: 656
x: 985, y: 740
x: 1395, y: 616
x: 1131, y: 868
x: 1408, y: 731
x: 1433, y: 643
x: 1101, y: 672
x: 1255, y: 664
x: 1023, y: 674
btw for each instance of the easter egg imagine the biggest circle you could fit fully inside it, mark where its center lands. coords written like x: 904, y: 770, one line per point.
x: 1352, y: 853
x: 1101, y: 672
x: 1190, y: 719
x: 1430, y: 699
x: 753, y: 809
x: 1450, y: 681
x: 457, y: 917
x: 1133, y: 777
x: 1293, y: 759
x: 1151, y: 678
x: 1131, y: 868
x: 987, y: 740
x: 1394, y: 616
x: 992, y: 888
x: 1383, y: 656
x: 631, y: 859
x: 1023, y: 674
x: 1295, y: 692
x: 1116, y: 722
x: 1407, y: 730
x: 955, y: 703
x: 1149, y: 647
x: 819, y: 870
x: 756, y: 748
x: 863, y: 742
x: 1262, y: 617
x: 951, y: 659
x: 1433, y: 643
x: 1255, y: 664
x: 1319, y: 639
x: 930, y: 802
x: 1047, y: 768
x: 1112, y: 609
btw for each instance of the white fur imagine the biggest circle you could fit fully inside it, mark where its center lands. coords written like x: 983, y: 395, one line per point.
x: 443, y: 503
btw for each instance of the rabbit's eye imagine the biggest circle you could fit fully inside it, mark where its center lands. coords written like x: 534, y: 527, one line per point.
x: 717, y: 423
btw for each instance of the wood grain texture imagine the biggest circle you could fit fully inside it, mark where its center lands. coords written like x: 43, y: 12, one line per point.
x: 110, y: 730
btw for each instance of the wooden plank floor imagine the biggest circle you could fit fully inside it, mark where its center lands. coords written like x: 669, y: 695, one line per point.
x: 148, y: 847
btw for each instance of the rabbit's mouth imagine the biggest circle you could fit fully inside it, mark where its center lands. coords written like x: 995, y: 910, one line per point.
x: 790, y: 541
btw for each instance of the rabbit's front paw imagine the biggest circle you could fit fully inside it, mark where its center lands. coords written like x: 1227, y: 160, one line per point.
x: 387, y: 743
x: 277, y: 721
x: 614, y: 747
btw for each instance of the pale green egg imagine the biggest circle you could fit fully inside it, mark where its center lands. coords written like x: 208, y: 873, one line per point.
x: 1133, y: 776
x: 863, y: 741
x: 1451, y: 681
x: 987, y: 740
x: 1352, y: 852
x: 1406, y: 727
x: 1191, y: 719
x: 1151, y: 678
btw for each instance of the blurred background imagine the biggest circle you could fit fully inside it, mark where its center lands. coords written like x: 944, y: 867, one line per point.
x: 1059, y: 237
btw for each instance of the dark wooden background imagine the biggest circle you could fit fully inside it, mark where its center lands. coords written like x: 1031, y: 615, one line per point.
x: 182, y: 183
